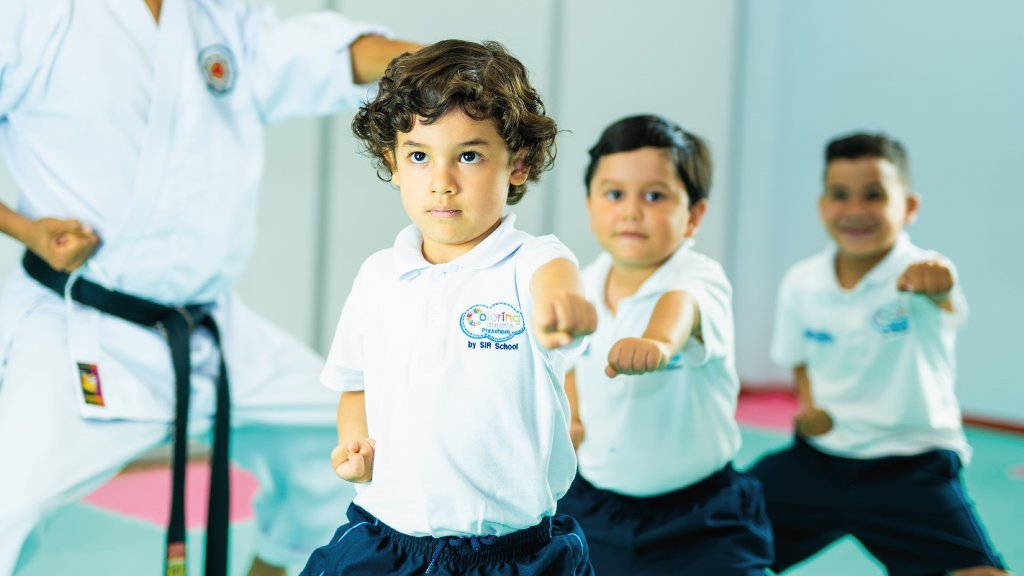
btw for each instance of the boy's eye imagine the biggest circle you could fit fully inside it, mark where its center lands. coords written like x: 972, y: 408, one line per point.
x: 470, y: 157
x: 418, y: 157
x: 613, y: 195
x: 875, y: 195
x: 654, y: 196
x: 839, y: 195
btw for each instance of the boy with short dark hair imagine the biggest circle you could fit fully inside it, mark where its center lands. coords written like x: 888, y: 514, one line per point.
x: 868, y: 326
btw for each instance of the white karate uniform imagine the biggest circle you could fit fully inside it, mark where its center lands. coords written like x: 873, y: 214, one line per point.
x: 152, y: 134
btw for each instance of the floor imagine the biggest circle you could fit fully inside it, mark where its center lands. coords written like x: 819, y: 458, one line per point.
x: 118, y: 530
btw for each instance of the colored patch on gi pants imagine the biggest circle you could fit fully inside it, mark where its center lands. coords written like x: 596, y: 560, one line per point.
x: 217, y: 63
x: 89, y: 375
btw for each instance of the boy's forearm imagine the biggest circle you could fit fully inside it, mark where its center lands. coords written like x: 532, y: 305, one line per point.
x: 675, y: 318
x: 559, y: 275
x: 371, y: 55
x: 13, y: 224
x: 570, y: 393
x: 803, y: 387
x: 352, y: 417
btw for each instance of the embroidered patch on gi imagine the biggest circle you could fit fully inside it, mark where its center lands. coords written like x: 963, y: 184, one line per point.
x: 498, y: 322
x: 89, y: 376
x: 218, y: 65
x: 891, y: 318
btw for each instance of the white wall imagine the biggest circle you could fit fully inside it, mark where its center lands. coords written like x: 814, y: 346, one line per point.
x: 941, y: 75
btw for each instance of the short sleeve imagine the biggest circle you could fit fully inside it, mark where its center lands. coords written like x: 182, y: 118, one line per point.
x: 948, y: 320
x: 29, y: 32
x: 346, y: 359
x: 302, y: 65
x: 532, y: 255
x: 788, y: 343
x: 709, y: 286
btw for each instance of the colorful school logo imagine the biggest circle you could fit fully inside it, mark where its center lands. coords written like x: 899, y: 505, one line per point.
x: 498, y: 322
x: 891, y: 318
x: 217, y: 63
x: 89, y: 377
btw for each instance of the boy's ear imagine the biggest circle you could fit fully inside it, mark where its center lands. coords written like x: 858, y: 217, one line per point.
x: 389, y: 161
x: 913, y: 203
x: 694, y: 218
x: 520, y: 171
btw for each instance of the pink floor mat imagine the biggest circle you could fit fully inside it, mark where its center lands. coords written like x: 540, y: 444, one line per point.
x: 767, y: 409
x: 146, y: 494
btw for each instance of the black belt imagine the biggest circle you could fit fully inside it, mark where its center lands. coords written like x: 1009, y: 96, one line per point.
x: 177, y: 325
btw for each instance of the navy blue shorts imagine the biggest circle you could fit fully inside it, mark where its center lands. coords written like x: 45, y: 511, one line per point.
x: 368, y: 547
x: 910, y: 512
x: 717, y: 526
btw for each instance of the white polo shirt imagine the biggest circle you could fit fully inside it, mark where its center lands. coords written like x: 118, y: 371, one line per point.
x: 469, y: 414
x: 657, y: 432
x: 880, y: 361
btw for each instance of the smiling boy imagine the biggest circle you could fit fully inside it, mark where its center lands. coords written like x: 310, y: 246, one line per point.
x: 868, y: 326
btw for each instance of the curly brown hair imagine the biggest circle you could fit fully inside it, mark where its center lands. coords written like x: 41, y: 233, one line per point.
x: 482, y: 79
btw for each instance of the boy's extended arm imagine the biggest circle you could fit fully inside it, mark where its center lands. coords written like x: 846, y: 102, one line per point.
x: 371, y: 55
x: 63, y: 244
x: 576, y: 430
x: 809, y: 420
x: 352, y: 458
x: 560, y: 310
x: 676, y: 317
x: 933, y: 278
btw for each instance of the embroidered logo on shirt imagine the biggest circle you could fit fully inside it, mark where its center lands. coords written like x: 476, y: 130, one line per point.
x: 891, y: 318
x: 498, y: 322
x: 818, y: 336
x: 218, y: 65
x: 89, y: 376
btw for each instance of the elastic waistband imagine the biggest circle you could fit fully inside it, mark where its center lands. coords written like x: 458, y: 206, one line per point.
x: 507, y: 548
x: 684, y: 497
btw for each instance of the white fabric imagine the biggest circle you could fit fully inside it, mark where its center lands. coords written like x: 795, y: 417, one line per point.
x: 108, y: 118
x: 469, y: 414
x: 658, y: 432
x: 881, y: 362
x: 170, y: 181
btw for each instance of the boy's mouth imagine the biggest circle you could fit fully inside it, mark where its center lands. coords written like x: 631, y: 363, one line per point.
x: 441, y: 212
x: 856, y: 231
x: 631, y: 235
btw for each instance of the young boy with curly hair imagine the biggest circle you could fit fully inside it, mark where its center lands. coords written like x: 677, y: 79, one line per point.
x: 452, y: 344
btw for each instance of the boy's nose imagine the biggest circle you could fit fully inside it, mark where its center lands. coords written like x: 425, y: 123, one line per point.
x: 631, y: 210
x: 441, y: 181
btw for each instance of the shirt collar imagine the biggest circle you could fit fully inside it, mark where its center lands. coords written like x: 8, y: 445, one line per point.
x: 500, y: 244
x: 886, y: 269
x: 655, y: 282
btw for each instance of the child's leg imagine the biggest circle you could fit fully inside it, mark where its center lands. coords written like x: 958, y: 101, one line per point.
x: 802, y: 489
x: 51, y: 456
x: 717, y: 526
x: 913, y: 514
